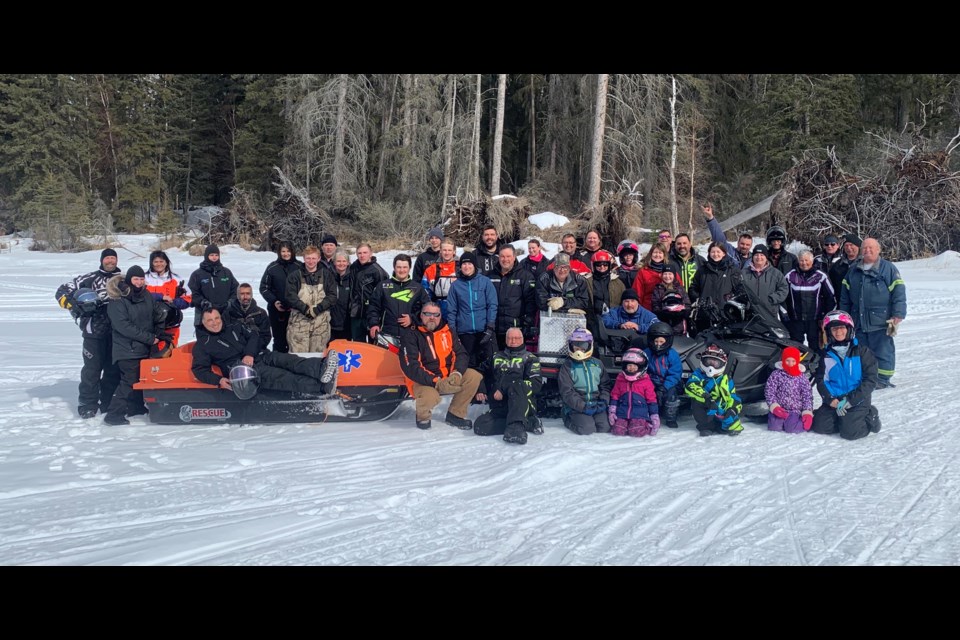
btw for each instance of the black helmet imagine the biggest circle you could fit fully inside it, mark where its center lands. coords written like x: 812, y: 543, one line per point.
x: 244, y: 381
x: 86, y: 302
x: 776, y: 232
x: 659, y: 330
x: 174, y: 316
x: 735, y: 310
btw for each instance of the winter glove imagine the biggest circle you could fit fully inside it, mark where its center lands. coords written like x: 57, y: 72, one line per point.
x: 317, y: 310
x: 654, y: 424
x: 592, y: 408
x: 488, y: 335
x: 64, y: 301
x: 311, y: 312
x: 530, y: 331
x: 891, y: 327
x: 456, y: 378
x: 842, y: 407
x: 447, y: 386
x: 778, y: 411
x: 612, y: 415
x: 577, y: 312
x: 555, y: 303
x: 807, y: 420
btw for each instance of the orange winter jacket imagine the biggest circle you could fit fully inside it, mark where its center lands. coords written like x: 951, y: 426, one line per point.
x: 426, y: 356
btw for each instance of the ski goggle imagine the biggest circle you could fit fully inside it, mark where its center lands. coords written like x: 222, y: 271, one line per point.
x: 580, y: 345
x: 715, y: 363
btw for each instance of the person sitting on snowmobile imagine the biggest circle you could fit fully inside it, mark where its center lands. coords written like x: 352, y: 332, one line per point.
x: 231, y: 345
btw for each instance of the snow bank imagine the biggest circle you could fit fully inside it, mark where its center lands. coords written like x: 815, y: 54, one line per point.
x: 548, y: 220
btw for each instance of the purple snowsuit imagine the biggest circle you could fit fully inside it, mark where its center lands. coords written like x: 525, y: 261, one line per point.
x: 793, y: 393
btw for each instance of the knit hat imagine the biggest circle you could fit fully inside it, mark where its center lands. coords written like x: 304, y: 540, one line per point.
x: 133, y: 272
x: 670, y: 267
x: 107, y: 253
x: 436, y: 232
x: 853, y: 238
x: 469, y: 256
x: 211, y: 248
x: 562, y: 260
x: 791, y: 352
x: 761, y: 248
x: 629, y: 294
x: 328, y: 239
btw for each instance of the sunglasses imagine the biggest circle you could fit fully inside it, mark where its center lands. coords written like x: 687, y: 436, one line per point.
x: 663, y: 237
x: 430, y: 314
x: 829, y: 244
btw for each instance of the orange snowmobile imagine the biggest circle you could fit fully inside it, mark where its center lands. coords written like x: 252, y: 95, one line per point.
x: 370, y: 386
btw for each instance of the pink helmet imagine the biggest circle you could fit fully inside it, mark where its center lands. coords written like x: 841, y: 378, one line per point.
x: 837, y: 317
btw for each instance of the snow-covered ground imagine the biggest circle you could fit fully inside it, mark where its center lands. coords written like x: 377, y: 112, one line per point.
x: 78, y: 492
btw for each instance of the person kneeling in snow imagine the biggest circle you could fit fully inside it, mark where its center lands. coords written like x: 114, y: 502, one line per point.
x: 230, y: 345
x: 516, y: 381
x: 584, y: 387
x: 846, y: 379
x: 714, y: 401
x: 789, y: 395
x: 633, y: 402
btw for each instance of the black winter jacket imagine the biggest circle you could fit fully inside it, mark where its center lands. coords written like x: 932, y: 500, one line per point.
x: 136, y: 319
x: 424, y: 260
x: 253, y: 318
x: 516, y: 297
x: 366, y: 277
x: 393, y: 298
x: 212, y: 283
x: 224, y: 349
x: 273, y: 284
x: 98, y: 325
x: 340, y: 312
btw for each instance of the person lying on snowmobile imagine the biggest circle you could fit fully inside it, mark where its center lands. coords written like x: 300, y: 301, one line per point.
x: 232, y: 345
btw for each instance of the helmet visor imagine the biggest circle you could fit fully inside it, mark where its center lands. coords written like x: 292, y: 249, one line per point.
x: 579, y: 345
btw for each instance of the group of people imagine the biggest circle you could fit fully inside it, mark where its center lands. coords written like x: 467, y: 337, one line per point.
x: 846, y: 302
x: 126, y: 318
x: 468, y: 326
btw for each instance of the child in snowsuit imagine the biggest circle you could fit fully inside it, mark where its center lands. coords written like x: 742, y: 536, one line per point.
x: 789, y: 395
x: 665, y: 370
x: 714, y: 401
x: 633, y: 407
x: 584, y: 387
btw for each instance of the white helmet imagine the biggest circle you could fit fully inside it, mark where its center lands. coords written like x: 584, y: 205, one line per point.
x: 713, y: 361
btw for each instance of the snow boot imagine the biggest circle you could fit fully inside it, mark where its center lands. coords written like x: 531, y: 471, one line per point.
x: 331, y: 368
x: 87, y: 412
x: 672, y: 424
x: 873, y: 420
x: 458, y: 422
x: 534, y: 425
x: 515, y: 433
x: 423, y: 425
x: 114, y: 419
x: 137, y: 411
